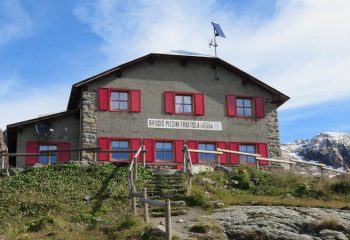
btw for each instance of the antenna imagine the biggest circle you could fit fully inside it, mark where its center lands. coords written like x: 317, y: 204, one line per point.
x: 217, y: 32
x: 43, y: 130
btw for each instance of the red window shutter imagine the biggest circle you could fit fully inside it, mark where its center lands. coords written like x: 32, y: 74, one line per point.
x: 231, y: 106
x: 179, y: 144
x: 199, y: 108
x: 149, y: 145
x: 32, y: 147
x: 223, y: 157
x: 104, y: 143
x: 135, y: 145
x: 259, y: 107
x: 103, y: 99
x: 169, y: 102
x: 135, y: 101
x: 193, y: 145
x: 263, y: 151
x: 234, y: 157
x: 64, y: 157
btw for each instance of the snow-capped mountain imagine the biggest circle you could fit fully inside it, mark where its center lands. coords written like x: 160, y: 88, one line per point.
x: 330, y: 148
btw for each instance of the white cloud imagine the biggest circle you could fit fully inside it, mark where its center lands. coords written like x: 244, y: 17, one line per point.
x: 31, y: 104
x: 15, y: 22
x: 302, y: 49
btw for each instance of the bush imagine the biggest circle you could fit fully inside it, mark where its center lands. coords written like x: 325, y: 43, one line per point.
x: 341, y: 187
x: 196, y: 199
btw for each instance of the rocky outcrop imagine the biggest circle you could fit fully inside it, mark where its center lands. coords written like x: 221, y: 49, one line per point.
x: 332, y: 149
x: 283, y: 223
x: 3, y: 147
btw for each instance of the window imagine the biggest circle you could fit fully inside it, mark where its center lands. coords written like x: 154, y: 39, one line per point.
x: 120, y: 145
x: 206, y: 156
x: 183, y: 103
x: 164, y: 151
x: 244, y: 107
x: 44, y: 159
x: 247, y: 149
x: 119, y: 101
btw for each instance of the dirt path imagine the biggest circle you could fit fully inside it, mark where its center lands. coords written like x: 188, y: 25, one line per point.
x: 182, y: 224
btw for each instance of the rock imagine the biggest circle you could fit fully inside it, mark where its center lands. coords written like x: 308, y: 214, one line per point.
x: 204, y: 180
x: 276, y: 222
x: 38, y: 165
x: 157, y: 232
x: 217, y: 204
x: 226, y: 170
x: 332, y: 235
x: 86, y: 198
x: 180, y: 221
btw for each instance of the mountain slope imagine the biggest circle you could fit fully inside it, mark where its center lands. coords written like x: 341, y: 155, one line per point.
x: 330, y: 148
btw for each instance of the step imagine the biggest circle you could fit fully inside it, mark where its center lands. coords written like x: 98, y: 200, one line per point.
x: 173, y: 213
x: 163, y: 186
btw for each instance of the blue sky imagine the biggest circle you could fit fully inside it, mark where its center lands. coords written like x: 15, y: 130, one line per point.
x: 297, y: 46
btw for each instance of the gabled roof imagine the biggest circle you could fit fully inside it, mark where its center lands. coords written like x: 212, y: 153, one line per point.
x: 280, y: 98
x: 42, y: 118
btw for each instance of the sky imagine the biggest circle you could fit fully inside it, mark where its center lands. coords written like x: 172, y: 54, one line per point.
x: 300, y: 47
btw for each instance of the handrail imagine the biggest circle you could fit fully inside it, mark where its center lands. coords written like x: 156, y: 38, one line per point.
x: 309, y: 163
x: 239, y: 153
x: 187, y: 166
x: 132, y: 176
x: 205, y: 151
x: 275, y: 160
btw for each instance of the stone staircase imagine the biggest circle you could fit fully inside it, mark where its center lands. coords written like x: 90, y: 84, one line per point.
x: 167, y: 184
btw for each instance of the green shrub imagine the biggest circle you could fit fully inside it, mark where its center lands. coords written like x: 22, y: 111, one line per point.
x: 196, y: 199
x: 341, y: 187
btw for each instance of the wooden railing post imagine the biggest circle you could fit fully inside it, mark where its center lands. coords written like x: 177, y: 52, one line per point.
x: 257, y: 164
x: 145, y: 205
x: 168, y: 219
x: 185, y: 160
x: 143, y: 156
x: 49, y: 159
x: 219, y: 157
x: 133, y: 199
x: 135, y: 169
x: 2, y: 161
x: 321, y: 170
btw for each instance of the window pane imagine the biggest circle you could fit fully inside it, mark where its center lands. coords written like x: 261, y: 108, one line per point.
x: 124, y: 144
x: 251, y: 159
x: 114, y: 144
x: 159, y: 155
x: 123, y: 105
x: 167, y: 146
x: 202, y: 156
x: 123, y: 96
x: 243, y: 148
x: 250, y: 149
x: 114, y: 105
x: 187, y: 108
x: 187, y: 99
x: 210, y: 147
x: 115, y: 95
x: 210, y: 157
x: 179, y: 108
x: 202, y: 146
x: 247, y: 102
x: 168, y: 156
x: 159, y: 146
x: 178, y: 99
x: 248, y: 112
x: 240, y: 111
x: 240, y: 102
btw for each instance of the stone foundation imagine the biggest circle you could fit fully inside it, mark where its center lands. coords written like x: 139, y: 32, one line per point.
x: 89, y: 124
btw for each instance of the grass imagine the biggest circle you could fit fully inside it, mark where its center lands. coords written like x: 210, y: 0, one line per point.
x: 68, y: 202
x: 247, y: 186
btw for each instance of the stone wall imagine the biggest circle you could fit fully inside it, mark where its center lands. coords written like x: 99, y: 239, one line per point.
x: 3, y: 148
x: 89, y: 125
x: 273, y: 139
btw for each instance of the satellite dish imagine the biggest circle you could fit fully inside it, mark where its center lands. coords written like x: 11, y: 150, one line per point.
x: 43, y: 130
